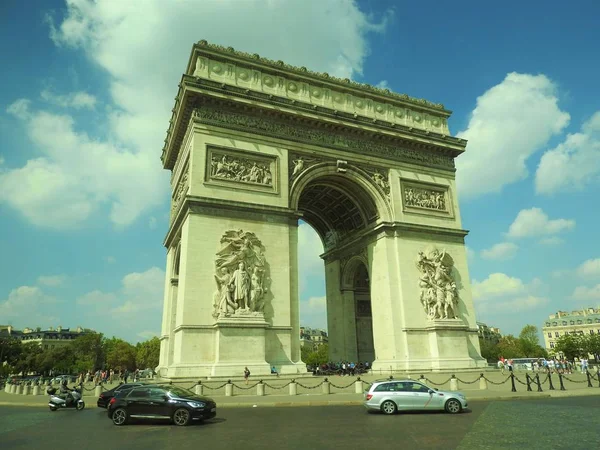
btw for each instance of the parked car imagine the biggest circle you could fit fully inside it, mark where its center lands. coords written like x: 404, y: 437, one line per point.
x: 159, y: 402
x: 106, y: 396
x: 402, y: 395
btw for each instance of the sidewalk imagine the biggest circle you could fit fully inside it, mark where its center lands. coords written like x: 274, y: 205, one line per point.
x: 314, y: 397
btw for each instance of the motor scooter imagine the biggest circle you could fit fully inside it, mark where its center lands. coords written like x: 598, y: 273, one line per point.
x: 56, y: 401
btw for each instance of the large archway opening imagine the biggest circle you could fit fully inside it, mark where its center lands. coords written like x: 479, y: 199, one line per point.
x: 336, y: 298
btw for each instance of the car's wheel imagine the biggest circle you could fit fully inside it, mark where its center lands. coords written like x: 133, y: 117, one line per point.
x: 119, y: 416
x: 181, y: 417
x: 80, y: 405
x: 388, y: 407
x: 453, y: 406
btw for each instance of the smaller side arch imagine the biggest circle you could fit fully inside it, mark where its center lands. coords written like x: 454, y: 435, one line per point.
x: 349, y: 271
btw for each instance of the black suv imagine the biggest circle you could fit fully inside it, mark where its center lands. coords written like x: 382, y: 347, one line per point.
x: 106, y: 396
x: 167, y: 402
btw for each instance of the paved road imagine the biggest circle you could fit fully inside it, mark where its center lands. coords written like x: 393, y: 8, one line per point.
x: 569, y: 423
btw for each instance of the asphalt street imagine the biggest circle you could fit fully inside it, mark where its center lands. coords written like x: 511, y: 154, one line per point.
x: 569, y: 423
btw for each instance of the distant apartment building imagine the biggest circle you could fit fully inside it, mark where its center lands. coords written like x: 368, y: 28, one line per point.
x: 487, y: 333
x: 46, y: 339
x: 584, y: 321
x: 312, y: 337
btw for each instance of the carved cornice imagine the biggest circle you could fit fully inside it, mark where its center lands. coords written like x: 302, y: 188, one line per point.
x: 285, y: 128
x: 190, y: 94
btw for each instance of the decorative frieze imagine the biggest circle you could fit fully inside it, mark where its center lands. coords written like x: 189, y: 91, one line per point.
x: 324, y: 90
x: 282, y: 128
x: 438, y: 292
x: 244, y: 169
x: 180, y: 191
x: 380, y: 178
x: 426, y: 198
x: 300, y: 163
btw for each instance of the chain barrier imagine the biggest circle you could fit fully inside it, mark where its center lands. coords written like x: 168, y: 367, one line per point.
x: 438, y: 384
x: 574, y: 381
x: 496, y: 383
x: 245, y: 388
x: 341, y: 387
x: 517, y: 378
x: 468, y: 382
x: 310, y: 387
x: 215, y: 388
x: 279, y: 387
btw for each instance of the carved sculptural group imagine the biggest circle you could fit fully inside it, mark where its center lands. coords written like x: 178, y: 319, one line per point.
x: 240, y: 169
x: 240, y: 269
x: 425, y: 198
x: 438, y: 295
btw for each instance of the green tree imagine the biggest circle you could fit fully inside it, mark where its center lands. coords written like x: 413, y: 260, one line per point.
x: 318, y: 356
x: 148, y: 354
x: 592, y: 345
x: 510, y: 347
x: 120, y: 354
x: 10, y: 350
x: 88, y: 352
x: 61, y: 359
x: 571, y: 346
x: 489, y: 350
x: 529, y: 341
x: 30, y: 359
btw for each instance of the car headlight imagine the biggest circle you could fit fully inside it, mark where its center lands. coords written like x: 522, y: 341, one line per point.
x: 196, y: 404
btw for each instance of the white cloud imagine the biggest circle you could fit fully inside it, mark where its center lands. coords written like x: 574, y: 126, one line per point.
x: 550, y: 241
x: 311, y: 268
x: 51, y: 280
x: 501, y: 251
x: 76, y: 100
x: 30, y: 307
x: 383, y: 84
x: 110, y: 259
x: 500, y: 293
x: 584, y: 293
x: 147, y: 335
x: 313, y: 312
x: 535, y: 222
x: 511, y: 121
x: 574, y: 163
x: 98, y: 298
x: 78, y: 173
x: 589, y: 268
x: 152, y: 223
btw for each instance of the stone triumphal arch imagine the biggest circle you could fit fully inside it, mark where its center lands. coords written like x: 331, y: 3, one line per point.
x: 255, y: 145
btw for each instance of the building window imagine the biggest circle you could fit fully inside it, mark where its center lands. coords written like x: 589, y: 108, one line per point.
x: 551, y: 344
x: 547, y: 324
x: 556, y: 334
x: 572, y: 322
x: 589, y: 321
x: 579, y: 322
x: 591, y: 331
x: 549, y: 335
x: 554, y: 324
x: 564, y: 322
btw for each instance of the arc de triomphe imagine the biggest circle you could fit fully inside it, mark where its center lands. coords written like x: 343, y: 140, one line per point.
x: 255, y: 145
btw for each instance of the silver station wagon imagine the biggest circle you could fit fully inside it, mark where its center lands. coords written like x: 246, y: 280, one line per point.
x: 410, y: 395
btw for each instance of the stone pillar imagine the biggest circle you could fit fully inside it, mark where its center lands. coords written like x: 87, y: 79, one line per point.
x: 7, y: 388
x: 482, y: 383
x: 199, y: 389
x: 229, y: 389
x: 358, y: 386
x: 97, y: 391
x: 293, y: 388
x: 36, y: 390
x: 260, y: 389
x: 422, y: 380
x: 19, y: 389
x: 325, y: 387
x: 453, y: 384
x: 26, y: 389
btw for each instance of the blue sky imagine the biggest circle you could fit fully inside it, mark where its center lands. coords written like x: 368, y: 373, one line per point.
x: 85, y: 102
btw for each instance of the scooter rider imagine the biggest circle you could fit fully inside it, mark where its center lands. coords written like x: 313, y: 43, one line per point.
x: 65, y: 392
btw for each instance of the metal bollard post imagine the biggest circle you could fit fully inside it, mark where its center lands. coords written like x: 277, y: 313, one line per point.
x: 229, y: 389
x: 528, y: 382
x: 358, y: 386
x: 453, y: 383
x: 482, y: 382
x: 512, y: 381
x: 537, y: 380
x: 260, y: 389
x: 560, y: 378
x: 293, y: 388
x: 199, y: 389
x: 36, y: 390
x: 325, y: 387
x: 589, y: 378
x: 550, y: 381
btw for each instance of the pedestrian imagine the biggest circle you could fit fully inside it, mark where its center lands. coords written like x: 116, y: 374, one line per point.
x: 246, y: 374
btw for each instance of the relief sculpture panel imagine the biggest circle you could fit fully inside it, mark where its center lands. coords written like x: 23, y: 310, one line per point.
x: 245, y: 170
x: 426, y: 198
